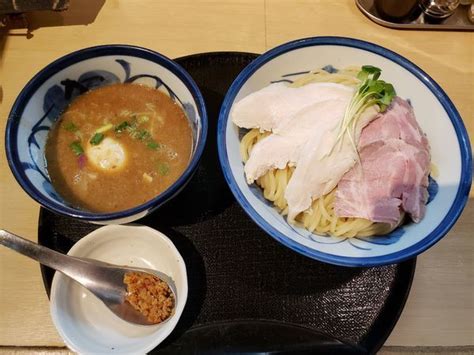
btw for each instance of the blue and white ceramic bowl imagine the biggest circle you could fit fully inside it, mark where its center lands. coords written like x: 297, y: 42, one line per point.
x: 46, y: 95
x: 436, y: 114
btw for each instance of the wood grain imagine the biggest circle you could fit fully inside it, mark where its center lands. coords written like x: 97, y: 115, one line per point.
x: 440, y: 310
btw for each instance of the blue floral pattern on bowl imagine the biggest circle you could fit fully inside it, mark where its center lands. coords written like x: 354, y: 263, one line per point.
x: 46, y: 96
x: 437, y: 117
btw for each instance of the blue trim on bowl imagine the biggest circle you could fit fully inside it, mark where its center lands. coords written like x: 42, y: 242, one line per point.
x: 79, y: 56
x: 462, y: 194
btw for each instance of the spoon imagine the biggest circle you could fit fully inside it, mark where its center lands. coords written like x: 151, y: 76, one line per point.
x: 104, y: 280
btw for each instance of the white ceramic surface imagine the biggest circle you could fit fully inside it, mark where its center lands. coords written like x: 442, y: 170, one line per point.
x: 434, y: 111
x: 86, y: 325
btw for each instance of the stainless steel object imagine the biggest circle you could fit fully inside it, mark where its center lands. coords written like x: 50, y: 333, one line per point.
x: 439, y: 8
x: 470, y: 13
x: 397, y: 10
x: 458, y: 21
x: 104, y: 280
x: 15, y: 7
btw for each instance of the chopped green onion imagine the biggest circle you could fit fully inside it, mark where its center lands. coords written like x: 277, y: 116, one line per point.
x: 163, y: 168
x: 76, y: 147
x: 131, y: 128
x: 97, y: 138
x: 122, y: 126
x: 153, y: 145
x: 105, y: 128
x: 142, y: 134
x: 70, y: 126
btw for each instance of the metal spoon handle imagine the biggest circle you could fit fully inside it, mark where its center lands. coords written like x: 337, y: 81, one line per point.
x: 89, y: 274
x: 104, y: 280
x: 63, y: 263
x: 32, y: 250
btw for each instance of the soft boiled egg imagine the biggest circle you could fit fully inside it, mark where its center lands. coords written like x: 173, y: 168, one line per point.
x: 109, y: 155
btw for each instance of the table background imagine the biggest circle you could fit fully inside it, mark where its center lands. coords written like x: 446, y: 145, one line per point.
x: 440, y: 309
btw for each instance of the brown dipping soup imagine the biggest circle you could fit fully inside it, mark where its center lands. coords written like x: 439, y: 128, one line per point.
x: 117, y: 147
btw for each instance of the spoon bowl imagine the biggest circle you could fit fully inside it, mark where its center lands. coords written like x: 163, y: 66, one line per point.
x: 104, y: 280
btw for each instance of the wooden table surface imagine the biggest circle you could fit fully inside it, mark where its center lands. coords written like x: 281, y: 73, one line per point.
x: 440, y: 309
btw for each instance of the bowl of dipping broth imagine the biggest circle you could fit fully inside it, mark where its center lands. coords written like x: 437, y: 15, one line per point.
x: 86, y: 325
x: 344, y: 151
x: 106, y: 134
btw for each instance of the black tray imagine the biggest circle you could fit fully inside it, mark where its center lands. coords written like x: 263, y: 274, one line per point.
x: 247, y: 292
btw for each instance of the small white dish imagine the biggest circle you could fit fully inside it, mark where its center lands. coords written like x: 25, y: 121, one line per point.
x: 85, y: 323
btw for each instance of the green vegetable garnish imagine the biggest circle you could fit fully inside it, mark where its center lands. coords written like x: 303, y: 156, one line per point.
x: 136, y: 133
x: 142, y: 134
x: 97, y: 138
x: 370, y: 91
x: 70, y: 126
x: 153, y: 145
x: 163, y: 168
x: 122, y: 126
x: 76, y: 147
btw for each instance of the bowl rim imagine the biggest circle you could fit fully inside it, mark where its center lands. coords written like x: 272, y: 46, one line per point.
x: 98, y: 234
x: 438, y: 232
x: 65, y: 61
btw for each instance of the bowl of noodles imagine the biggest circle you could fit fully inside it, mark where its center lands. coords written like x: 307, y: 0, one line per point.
x: 344, y: 151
